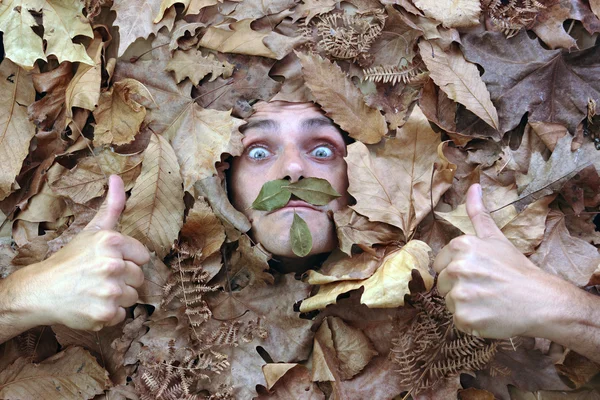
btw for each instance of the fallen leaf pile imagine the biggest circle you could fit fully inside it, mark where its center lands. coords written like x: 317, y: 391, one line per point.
x: 436, y: 95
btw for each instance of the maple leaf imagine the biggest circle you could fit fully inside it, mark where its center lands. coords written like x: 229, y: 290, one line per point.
x: 559, y: 78
x: 561, y: 254
x: 119, y: 116
x: 49, y: 112
x: 72, y: 374
x: 135, y: 20
x: 21, y: 44
x: 406, y: 199
x: 154, y: 212
x: 387, y: 286
x: 460, y: 80
x: 342, y: 100
x: 202, y: 136
x: 16, y: 92
x: 452, y: 14
x: 84, y: 89
x: 193, y: 65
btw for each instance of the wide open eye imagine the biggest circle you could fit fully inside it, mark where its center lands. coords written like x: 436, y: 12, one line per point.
x: 258, y: 153
x: 322, y: 152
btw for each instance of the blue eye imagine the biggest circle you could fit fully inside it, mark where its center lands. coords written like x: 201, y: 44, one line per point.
x: 322, y: 152
x: 258, y: 153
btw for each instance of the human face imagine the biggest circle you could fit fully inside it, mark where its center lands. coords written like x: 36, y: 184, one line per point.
x: 289, y: 141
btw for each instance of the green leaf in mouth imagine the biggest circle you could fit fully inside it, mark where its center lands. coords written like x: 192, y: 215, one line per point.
x: 300, y: 237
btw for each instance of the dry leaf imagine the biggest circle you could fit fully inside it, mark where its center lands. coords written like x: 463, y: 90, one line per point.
x: 154, y: 212
x: 238, y: 38
x: 289, y: 381
x: 193, y: 65
x: 398, y: 181
x: 202, y: 233
x: 21, y: 44
x: 49, y: 113
x: 342, y: 101
x: 452, y: 14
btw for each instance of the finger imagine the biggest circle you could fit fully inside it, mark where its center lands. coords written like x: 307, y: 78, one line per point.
x: 129, y: 297
x: 118, y: 318
x: 444, y: 283
x: 482, y: 221
x: 133, y: 250
x: 443, y: 258
x: 134, y: 276
x: 110, y: 211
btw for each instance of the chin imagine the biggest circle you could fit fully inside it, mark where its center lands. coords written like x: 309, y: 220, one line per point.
x: 273, y: 232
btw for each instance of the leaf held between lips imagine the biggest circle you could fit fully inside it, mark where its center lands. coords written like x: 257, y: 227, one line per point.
x: 272, y: 196
x: 315, y: 191
x: 300, y: 237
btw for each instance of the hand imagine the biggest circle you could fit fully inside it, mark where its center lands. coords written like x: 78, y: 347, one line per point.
x: 89, y: 282
x: 491, y: 288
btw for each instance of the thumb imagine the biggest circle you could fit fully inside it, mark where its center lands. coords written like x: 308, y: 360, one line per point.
x: 110, y: 211
x: 482, y: 221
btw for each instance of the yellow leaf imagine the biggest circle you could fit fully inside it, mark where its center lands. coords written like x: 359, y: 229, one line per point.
x: 460, y: 80
x: 387, y: 286
x: 84, y: 89
x: 342, y: 100
x: 16, y: 93
x: 154, y: 212
x: 166, y: 4
x: 275, y: 371
x: 200, y: 139
x: 239, y: 39
x: 119, y: 116
x: 451, y: 13
x: 21, y: 44
x: 192, y: 64
x: 397, y: 182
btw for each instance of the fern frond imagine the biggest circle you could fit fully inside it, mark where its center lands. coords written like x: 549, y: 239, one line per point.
x: 392, y: 73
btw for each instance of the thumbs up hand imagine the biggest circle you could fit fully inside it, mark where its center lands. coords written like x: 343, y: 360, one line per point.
x: 88, y: 283
x: 491, y: 288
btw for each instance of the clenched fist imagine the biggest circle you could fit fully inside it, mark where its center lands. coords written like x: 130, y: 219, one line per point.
x: 88, y: 283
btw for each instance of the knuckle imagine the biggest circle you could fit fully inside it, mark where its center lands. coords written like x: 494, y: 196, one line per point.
x: 112, y: 291
x: 456, y: 269
x: 113, y: 266
x: 110, y: 238
x: 104, y: 314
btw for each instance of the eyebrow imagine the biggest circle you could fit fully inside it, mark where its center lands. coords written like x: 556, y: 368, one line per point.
x: 272, y: 125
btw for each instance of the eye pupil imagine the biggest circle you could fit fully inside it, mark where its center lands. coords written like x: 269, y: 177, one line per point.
x: 258, y: 153
x: 322, y: 152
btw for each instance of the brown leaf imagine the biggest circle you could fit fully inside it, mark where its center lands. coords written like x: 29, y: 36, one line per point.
x: 452, y: 14
x: 84, y: 89
x: 16, y: 93
x: 156, y: 274
x: 576, y: 369
x: 352, y: 228
x: 294, y: 383
x: 549, y: 133
x: 342, y: 100
x: 340, y: 267
x: 559, y: 78
x: 250, y: 263
x: 193, y: 65
x: 154, y: 212
x: 308, y: 9
x: 201, y: 138
x: 438, y: 108
x: 411, y: 159
x: 561, y: 254
x: 71, y: 374
x: 255, y: 9
x: 294, y: 88
x: 387, y: 286
x: 135, y: 20
x: 118, y: 115
x: 202, y: 233
x: 460, y: 80
x: 397, y: 40
x: 394, y: 100
x: 49, y: 112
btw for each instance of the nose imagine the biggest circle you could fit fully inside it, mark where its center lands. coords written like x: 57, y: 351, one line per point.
x: 292, y: 165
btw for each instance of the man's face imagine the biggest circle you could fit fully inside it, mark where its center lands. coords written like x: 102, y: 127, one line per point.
x: 289, y: 141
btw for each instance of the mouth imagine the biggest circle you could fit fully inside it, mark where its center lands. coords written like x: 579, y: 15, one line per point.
x: 297, y: 204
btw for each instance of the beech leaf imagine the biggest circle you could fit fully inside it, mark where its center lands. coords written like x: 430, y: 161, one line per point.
x: 300, y: 237
x: 315, y: 191
x: 342, y: 100
x: 272, y: 195
x: 154, y: 212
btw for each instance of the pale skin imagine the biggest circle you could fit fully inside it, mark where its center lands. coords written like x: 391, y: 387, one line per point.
x: 492, y: 289
x: 86, y: 285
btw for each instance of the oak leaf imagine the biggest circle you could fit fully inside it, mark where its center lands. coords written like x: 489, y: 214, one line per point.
x: 342, y: 100
x: 154, y: 212
x: 16, y: 92
x: 452, y: 14
x: 387, y: 286
x: 72, y: 374
x: 460, y: 80
x: 119, y: 116
x: 238, y: 38
x: 559, y: 78
x: 397, y: 182
x: 201, y: 137
x: 193, y: 65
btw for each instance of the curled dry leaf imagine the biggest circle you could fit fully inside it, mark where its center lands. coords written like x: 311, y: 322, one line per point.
x: 289, y: 381
x: 16, y: 87
x: 202, y: 233
x: 238, y: 38
x: 387, y: 286
x: 49, y: 112
x: 154, y: 212
x: 398, y: 181
x: 340, y: 267
x: 72, y: 374
x: 452, y: 14
x: 342, y: 100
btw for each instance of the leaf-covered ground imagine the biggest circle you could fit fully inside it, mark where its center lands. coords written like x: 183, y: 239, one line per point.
x: 437, y: 95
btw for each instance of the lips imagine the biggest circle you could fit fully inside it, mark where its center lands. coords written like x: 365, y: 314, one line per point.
x: 297, y: 204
